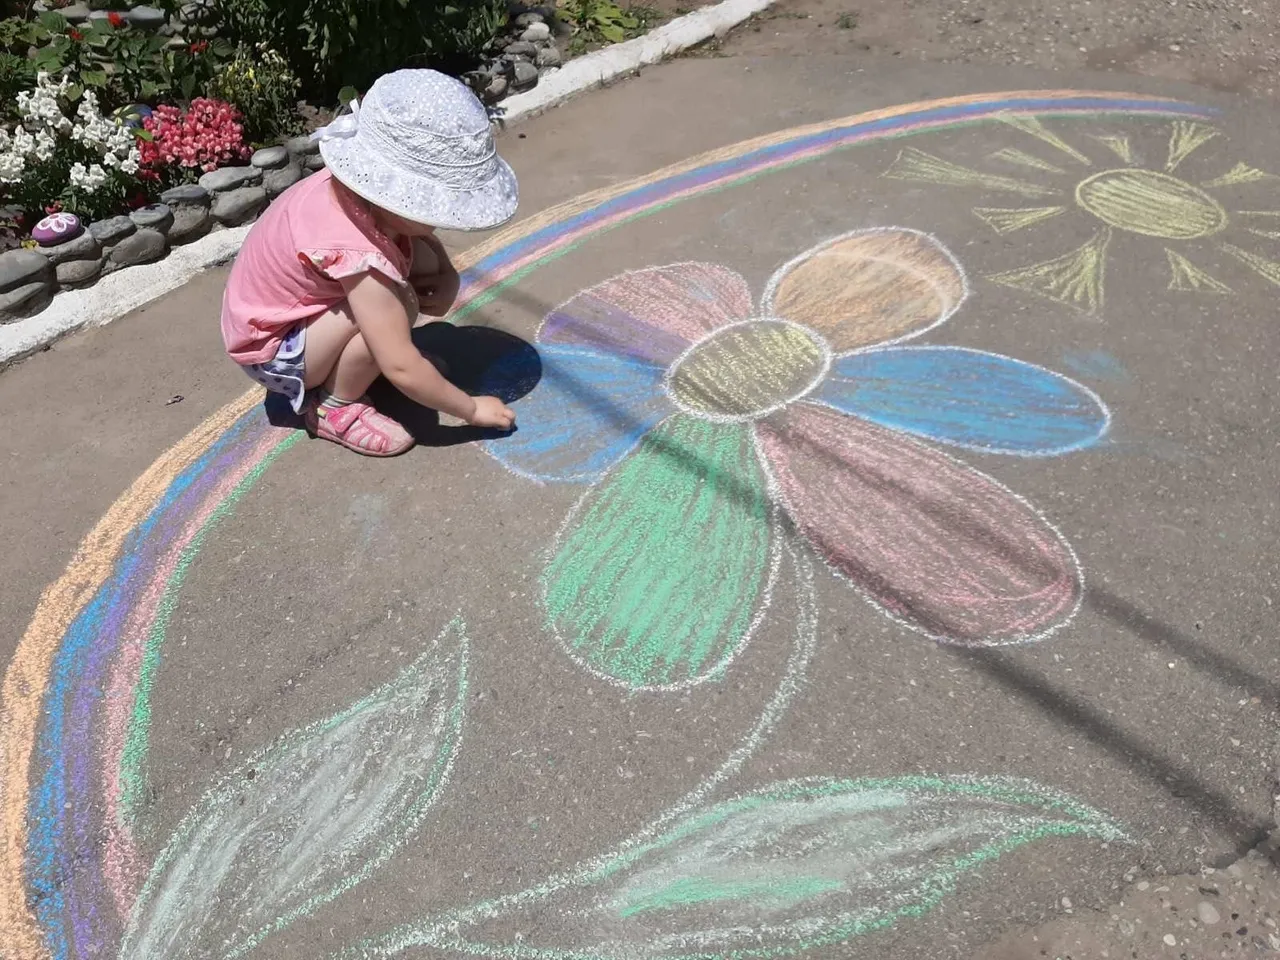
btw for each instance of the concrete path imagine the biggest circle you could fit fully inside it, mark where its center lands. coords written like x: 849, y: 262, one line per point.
x: 884, y: 563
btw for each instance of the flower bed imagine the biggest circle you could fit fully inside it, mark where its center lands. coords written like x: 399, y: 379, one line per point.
x: 125, y: 132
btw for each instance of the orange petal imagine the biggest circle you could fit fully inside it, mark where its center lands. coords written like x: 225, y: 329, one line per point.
x: 869, y: 287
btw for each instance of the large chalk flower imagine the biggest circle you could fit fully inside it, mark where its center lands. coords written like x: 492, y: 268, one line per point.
x: 704, y: 425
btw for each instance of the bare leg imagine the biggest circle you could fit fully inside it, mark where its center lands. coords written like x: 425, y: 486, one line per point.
x: 337, y: 355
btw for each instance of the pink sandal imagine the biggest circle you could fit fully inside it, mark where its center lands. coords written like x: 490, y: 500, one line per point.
x: 359, y: 427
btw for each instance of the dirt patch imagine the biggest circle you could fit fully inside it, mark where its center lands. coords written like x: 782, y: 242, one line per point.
x: 1222, y: 44
x: 1217, y: 913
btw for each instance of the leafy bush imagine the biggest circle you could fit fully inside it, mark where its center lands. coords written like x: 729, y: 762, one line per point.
x: 260, y: 84
x: 349, y: 43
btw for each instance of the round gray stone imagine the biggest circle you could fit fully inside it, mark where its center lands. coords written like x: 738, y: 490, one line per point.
x: 276, y: 182
x: 21, y: 267
x: 76, y: 12
x: 496, y: 90
x: 314, y: 163
x: 521, y: 48
x: 107, y: 232
x: 270, y: 158
x: 549, y: 57
x: 157, y: 216
x: 83, y: 247
x: 302, y: 147
x: 535, y: 32
x: 525, y: 19
x: 25, y: 300
x: 148, y: 18
x: 78, y: 273
x: 144, y: 246
x: 526, y: 75
x: 230, y: 178
x: 187, y: 195
x: 239, y: 206
x: 189, y: 223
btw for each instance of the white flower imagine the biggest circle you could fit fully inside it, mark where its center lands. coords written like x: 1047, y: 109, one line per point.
x: 45, y: 145
x: 11, y: 167
x: 130, y: 164
x: 24, y: 144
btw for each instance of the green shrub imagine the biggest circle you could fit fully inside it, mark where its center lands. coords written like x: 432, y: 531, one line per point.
x: 259, y: 82
x: 332, y: 44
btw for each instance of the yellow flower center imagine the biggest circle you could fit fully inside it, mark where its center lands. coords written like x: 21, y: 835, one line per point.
x: 1151, y: 203
x: 746, y: 370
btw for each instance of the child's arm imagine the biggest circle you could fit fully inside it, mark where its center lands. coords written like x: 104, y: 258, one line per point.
x: 384, y: 324
x: 434, y: 276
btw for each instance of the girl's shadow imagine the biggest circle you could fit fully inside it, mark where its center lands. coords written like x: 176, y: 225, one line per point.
x: 478, y: 360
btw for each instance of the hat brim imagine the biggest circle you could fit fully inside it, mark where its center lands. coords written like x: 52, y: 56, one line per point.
x: 419, y: 198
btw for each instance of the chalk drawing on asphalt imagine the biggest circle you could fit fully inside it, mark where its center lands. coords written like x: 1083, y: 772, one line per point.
x: 306, y: 819
x: 77, y: 698
x: 1133, y: 200
x: 693, y: 415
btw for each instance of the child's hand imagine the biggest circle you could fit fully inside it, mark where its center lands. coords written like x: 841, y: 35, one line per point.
x: 492, y: 413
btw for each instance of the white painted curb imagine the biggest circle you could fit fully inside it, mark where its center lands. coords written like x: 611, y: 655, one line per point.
x: 116, y: 295
x: 619, y: 60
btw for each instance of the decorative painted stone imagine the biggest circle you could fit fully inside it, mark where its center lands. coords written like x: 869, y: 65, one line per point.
x: 135, y: 116
x: 57, y: 228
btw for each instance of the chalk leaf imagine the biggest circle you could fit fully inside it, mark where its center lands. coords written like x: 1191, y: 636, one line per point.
x: 306, y: 819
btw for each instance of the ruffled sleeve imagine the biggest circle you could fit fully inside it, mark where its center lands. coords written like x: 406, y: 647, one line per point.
x: 338, y: 264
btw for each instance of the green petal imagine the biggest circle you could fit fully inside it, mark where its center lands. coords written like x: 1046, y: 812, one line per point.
x: 657, y: 581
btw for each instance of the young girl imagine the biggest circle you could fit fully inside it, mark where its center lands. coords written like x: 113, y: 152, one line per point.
x: 329, y: 282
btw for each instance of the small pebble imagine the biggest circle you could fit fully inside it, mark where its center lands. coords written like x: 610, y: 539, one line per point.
x: 1207, y: 913
x: 1170, y: 939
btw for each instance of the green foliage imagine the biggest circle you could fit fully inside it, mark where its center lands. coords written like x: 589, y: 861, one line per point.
x: 259, y: 83
x: 335, y: 43
x: 596, y: 22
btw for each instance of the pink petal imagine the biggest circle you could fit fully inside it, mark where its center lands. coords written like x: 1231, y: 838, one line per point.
x: 651, y: 314
x: 937, y: 544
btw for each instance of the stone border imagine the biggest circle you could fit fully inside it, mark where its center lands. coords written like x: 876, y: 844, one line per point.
x: 211, y: 220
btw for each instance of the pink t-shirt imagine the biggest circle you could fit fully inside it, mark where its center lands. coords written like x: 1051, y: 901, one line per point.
x: 288, y: 270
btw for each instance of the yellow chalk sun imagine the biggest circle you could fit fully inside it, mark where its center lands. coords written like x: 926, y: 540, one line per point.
x: 1131, y: 199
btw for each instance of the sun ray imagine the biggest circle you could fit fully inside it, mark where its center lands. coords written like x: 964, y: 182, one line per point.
x: 1076, y: 278
x: 1118, y: 145
x: 1020, y: 157
x: 1267, y: 269
x: 1185, y: 276
x: 1269, y: 234
x: 1033, y: 126
x: 1186, y: 138
x: 913, y: 164
x: 1258, y: 213
x: 1006, y: 220
x: 1240, y: 173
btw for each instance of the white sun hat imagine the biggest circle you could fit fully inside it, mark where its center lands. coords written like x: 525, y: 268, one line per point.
x: 420, y: 146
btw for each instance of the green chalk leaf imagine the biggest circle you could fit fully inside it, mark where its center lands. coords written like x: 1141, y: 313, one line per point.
x: 657, y: 582
x: 307, y: 818
x: 805, y: 863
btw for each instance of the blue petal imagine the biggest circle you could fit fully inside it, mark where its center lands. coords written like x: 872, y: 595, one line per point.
x: 589, y: 409
x: 968, y: 398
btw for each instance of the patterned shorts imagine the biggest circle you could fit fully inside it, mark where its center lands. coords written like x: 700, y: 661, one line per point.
x: 286, y: 373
